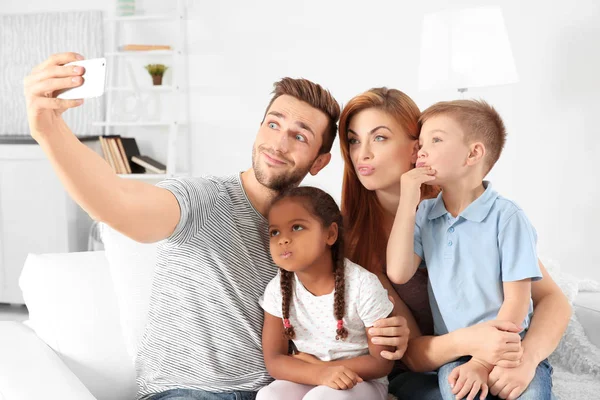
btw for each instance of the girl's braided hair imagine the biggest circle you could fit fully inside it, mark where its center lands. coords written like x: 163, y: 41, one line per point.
x: 322, y: 206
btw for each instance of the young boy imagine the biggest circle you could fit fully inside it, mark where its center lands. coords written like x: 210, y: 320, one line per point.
x: 479, y: 247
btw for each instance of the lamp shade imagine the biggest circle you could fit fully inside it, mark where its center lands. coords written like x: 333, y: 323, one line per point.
x: 465, y: 49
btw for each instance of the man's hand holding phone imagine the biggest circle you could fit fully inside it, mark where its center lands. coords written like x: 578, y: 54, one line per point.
x: 56, y: 78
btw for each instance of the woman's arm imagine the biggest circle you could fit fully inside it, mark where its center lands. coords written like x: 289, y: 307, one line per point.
x: 400, y: 310
x: 495, y: 341
x: 551, y: 315
x: 394, y: 331
x: 491, y: 341
x: 428, y: 353
x: 278, y: 363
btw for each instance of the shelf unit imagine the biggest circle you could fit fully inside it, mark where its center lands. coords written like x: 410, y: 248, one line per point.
x: 115, y: 69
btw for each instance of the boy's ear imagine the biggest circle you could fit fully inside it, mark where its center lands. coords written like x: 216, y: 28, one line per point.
x: 332, y: 234
x: 476, y: 153
x: 415, y: 153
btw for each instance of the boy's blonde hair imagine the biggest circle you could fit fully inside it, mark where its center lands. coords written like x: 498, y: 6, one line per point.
x: 480, y: 122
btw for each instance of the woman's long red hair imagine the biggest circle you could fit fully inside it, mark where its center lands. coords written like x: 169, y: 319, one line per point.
x: 366, y: 237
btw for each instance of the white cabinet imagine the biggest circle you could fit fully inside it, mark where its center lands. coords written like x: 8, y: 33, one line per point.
x: 34, y: 213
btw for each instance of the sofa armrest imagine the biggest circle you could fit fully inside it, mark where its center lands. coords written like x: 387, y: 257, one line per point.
x: 587, y: 308
x: 29, y: 369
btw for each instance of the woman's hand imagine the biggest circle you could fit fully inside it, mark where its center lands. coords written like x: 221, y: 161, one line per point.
x: 392, y: 331
x: 510, y: 383
x: 469, y: 379
x: 43, y: 108
x: 339, y: 378
x: 495, y: 342
x: 410, y: 186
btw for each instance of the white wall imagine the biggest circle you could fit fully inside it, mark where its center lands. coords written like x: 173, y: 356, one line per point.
x: 239, y: 48
x: 549, y: 166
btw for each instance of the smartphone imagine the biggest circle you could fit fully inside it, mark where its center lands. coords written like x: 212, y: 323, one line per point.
x: 94, y: 79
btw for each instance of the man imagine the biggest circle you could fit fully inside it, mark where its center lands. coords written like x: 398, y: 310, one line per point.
x: 203, y: 338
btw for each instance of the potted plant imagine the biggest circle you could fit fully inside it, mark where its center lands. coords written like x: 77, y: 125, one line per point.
x: 156, y: 71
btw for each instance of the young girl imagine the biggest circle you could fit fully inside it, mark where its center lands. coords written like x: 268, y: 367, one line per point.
x: 323, y: 303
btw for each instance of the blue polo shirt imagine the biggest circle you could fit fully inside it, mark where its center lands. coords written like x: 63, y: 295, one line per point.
x: 468, y: 257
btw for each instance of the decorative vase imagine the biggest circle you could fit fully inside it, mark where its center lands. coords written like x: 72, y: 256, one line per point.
x: 157, y: 79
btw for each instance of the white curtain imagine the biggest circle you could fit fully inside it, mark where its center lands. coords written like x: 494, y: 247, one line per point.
x: 28, y: 39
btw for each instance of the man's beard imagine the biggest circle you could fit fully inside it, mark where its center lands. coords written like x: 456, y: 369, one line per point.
x: 280, y: 182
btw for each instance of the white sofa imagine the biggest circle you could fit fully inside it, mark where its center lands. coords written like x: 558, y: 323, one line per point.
x: 87, y: 312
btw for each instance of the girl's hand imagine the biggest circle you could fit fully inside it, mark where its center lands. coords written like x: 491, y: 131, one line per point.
x: 410, y: 186
x: 470, y: 378
x: 309, y: 358
x: 495, y: 342
x: 510, y: 383
x: 339, y: 378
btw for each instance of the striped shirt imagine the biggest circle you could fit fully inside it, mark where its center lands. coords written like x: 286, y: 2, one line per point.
x: 204, y: 320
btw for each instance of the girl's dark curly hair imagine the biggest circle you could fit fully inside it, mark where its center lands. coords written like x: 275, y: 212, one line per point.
x: 323, y: 207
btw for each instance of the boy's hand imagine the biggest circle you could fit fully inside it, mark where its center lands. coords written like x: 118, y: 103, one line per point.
x: 410, y: 186
x: 339, y: 378
x: 468, y: 379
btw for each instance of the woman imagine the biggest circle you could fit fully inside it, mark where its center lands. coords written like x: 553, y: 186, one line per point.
x: 379, y: 132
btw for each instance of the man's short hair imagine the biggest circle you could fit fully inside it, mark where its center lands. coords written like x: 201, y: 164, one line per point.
x: 480, y: 122
x: 319, y: 98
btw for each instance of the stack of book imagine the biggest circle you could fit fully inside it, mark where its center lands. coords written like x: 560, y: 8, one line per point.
x: 124, y: 156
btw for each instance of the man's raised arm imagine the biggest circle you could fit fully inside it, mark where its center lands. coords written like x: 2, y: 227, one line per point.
x: 143, y: 212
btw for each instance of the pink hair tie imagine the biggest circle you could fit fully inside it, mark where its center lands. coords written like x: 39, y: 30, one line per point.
x: 286, y: 323
x: 340, y: 324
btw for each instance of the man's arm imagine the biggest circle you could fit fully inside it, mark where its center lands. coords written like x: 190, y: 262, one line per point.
x: 143, y: 212
x: 516, y: 301
x: 139, y: 210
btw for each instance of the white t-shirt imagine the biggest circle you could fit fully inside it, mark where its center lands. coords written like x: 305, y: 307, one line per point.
x: 314, y: 321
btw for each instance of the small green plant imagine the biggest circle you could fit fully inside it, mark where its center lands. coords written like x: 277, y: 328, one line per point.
x: 156, y: 69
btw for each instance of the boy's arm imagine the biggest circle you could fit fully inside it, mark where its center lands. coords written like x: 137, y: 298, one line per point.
x: 516, y: 301
x: 279, y: 364
x: 402, y: 257
x: 139, y: 210
x: 402, y: 261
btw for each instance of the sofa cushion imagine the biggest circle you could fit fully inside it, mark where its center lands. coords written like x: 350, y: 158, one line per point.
x: 132, y: 270
x: 29, y: 369
x: 72, y: 307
